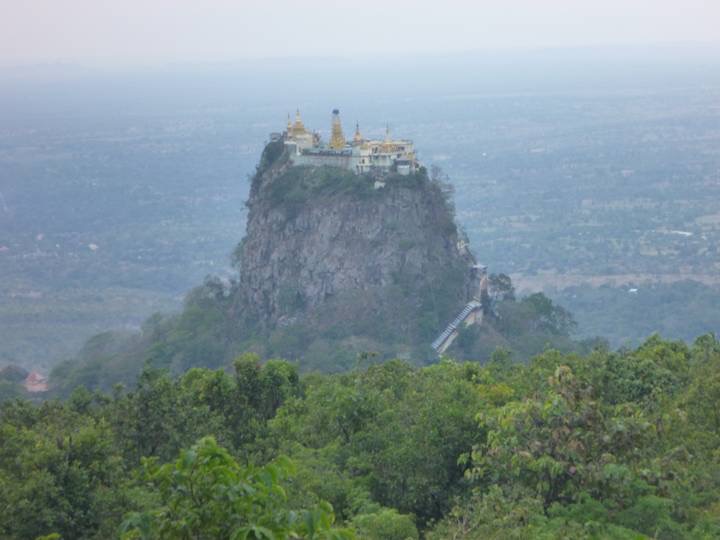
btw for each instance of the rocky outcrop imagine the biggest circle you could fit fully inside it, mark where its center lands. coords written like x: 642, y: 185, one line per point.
x: 335, y: 269
x: 323, y: 244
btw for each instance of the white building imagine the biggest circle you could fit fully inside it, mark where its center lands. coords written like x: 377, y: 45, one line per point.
x: 359, y: 155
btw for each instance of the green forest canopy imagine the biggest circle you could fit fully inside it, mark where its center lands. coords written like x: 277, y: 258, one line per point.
x: 605, y: 445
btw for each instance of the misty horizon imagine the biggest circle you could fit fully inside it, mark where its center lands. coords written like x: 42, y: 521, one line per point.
x: 132, y: 33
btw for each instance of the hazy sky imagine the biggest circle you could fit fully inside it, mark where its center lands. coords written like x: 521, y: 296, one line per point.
x: 142, y: 31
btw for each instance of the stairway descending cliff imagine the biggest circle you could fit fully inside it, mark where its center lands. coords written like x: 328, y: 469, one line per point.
x: 447, y: 336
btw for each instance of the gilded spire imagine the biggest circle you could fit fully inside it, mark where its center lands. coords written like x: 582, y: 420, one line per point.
x: 337, y: 139
x: 357, y: 138
x: 387, y: 143
x: 298, y: 127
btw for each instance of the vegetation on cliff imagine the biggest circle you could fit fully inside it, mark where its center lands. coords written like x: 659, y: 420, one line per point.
x: 334, y: 266
x: 203, y: 335
x: 606, y: 445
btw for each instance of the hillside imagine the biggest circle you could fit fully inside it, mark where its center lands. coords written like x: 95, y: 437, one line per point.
x: 333, y: 265
x: 335, y: 268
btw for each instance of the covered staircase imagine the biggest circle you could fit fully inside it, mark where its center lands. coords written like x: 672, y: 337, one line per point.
x: 445, y: 339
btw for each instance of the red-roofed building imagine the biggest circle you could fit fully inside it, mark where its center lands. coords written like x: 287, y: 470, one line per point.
x: 36, y: 382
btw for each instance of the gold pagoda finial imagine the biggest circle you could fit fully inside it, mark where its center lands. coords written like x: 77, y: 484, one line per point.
x: 357, y: 138
x: 289, y: 124
x: 337, y: 139
x: 298, y: 128
x: 387, y: 143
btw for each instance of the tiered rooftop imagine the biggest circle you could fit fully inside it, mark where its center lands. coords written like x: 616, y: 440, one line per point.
x: 359, y: 155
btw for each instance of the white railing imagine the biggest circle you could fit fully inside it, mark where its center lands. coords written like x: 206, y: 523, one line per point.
x: 457, y: 321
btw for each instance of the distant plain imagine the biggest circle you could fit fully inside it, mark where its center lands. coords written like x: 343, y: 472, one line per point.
x: 119, y: 191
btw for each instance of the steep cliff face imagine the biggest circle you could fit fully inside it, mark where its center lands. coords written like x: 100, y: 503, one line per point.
x: 335, y: 269
x: 349, y: 255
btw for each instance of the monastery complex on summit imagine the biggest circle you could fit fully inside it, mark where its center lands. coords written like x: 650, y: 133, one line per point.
x: 358, y: 155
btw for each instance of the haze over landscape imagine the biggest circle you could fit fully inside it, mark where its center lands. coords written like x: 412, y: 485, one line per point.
x: 518, y: 313
x: 568, y: 169
x: 135, y: 32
